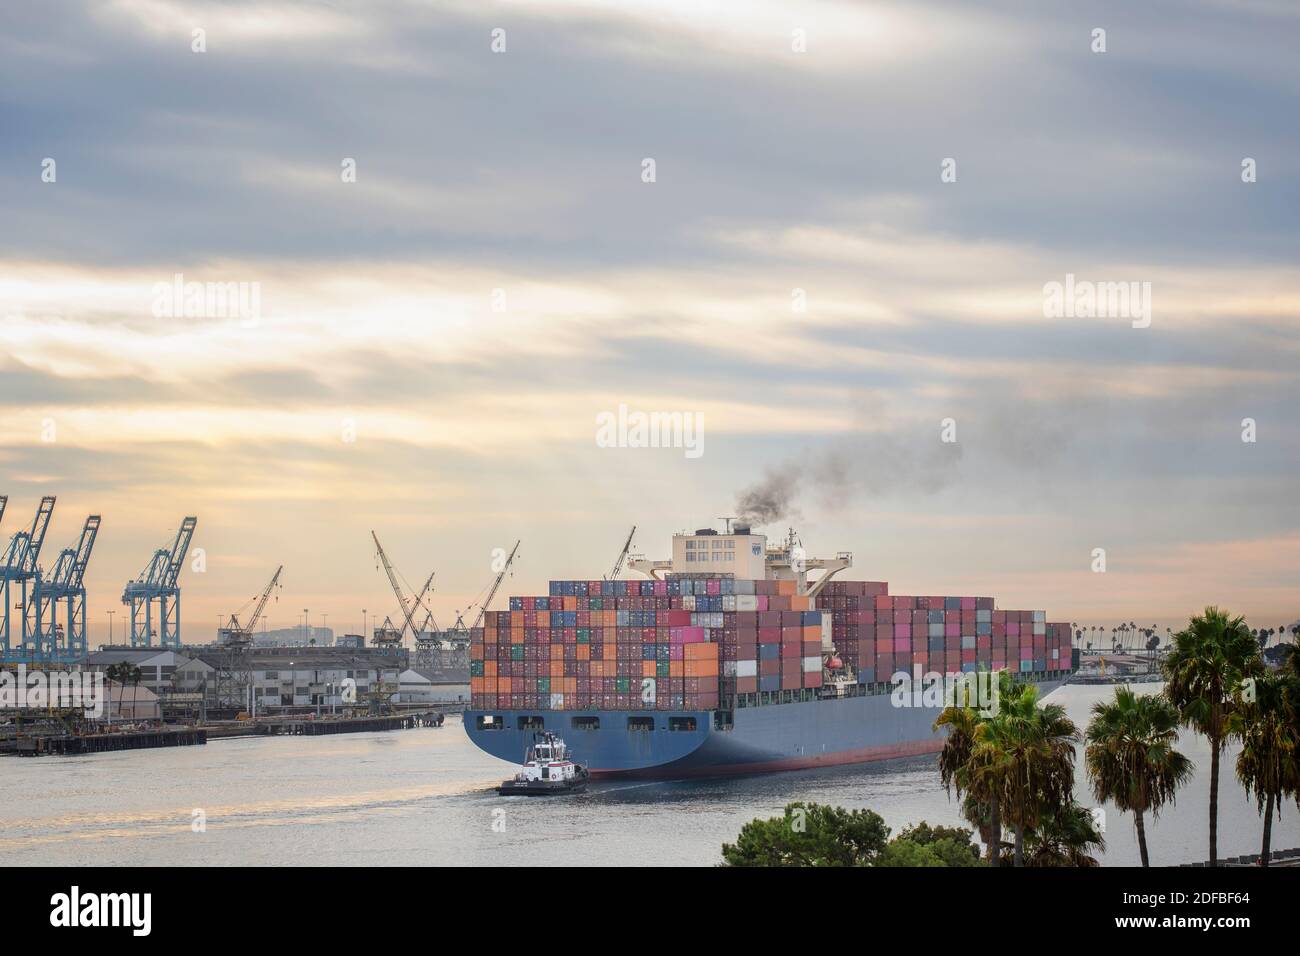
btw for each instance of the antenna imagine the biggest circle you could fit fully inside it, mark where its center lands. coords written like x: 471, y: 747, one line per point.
x: 728, y: 519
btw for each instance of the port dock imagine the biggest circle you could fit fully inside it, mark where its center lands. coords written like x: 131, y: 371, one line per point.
x: 76, y: 744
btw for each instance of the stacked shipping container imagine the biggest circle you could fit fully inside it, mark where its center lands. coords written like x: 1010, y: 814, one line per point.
x: 679, y: 644
x: 880, y: 634
x: 692, y: 641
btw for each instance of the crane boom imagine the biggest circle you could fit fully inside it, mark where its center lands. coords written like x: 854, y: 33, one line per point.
x: 478, y: 621
x: 80, y: 557
x: 622, y: 556
x: 261, y: 602
x: 179, y: 549
x: 408, y: 608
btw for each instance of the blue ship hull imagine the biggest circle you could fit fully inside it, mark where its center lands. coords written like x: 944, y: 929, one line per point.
x: 761, y: 739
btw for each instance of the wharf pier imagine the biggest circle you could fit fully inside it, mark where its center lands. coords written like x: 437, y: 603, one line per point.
x: 76, y: 744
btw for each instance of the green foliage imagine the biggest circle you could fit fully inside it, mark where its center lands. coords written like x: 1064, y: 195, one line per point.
x: 1067, y: 836
x: 809, y: 834
x: 906, y: 853
x: 941, y: 846
x: 1205, y: 670
x: 1130, y: 755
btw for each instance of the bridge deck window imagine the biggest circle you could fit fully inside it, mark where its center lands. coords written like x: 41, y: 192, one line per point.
x: 485, y: 722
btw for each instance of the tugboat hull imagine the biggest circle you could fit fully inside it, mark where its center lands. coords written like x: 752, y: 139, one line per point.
x: 540, y: 788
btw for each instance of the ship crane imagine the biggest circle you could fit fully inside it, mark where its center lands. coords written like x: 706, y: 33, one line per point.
x: 622, y: 557
x: 236, y: 633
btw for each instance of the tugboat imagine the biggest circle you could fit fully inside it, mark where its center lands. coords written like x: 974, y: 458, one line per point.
x: 547, y: 770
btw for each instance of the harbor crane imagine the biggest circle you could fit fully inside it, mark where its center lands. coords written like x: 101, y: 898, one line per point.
x: 19, y: 577
x: 622, y: 557
x: 487, y: 602
x: 236, y: 633
x: 157, y: 583
x: 65, y: 641
x: 408, y: 607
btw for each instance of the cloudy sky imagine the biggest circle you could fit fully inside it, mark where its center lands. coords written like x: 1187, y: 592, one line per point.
x: 435, y: 339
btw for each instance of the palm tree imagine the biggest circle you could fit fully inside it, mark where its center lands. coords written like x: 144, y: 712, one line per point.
x: 1066, y: 838
x: 1204, y: 671
x: 1029, y: 751
x: 977, y: 786
x: 1269, y: 764
x: 1131, y: 757
x: 116, y: 674
x: 134, y: 675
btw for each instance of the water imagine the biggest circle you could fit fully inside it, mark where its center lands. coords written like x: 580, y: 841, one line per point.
x: 424, y: 797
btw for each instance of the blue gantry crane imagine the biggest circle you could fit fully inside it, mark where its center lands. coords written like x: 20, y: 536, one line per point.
x: 157, y: 584
x: 62, y: 638
x: 19, y: 577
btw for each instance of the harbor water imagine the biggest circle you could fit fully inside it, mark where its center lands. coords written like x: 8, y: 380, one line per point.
x: 425, y: 796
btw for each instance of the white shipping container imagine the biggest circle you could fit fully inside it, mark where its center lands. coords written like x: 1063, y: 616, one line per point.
x: 1040, y: 628
x: 746, y: 668
x: 811, y: 665
x: 1040, y: 616
x: 688, y: 602
x: 728, y: 602
x: 828, y: 639
x: 746, y: 602
x: 728, y: 668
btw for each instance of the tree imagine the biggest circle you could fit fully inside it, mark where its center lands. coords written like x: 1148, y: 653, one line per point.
x: 1204, y: 671
x: 809, y: 835
x: 1131, y: 758
x: 1066, y: 837
x: 978, y: 786
x: 1014, y: 766
x: 942, y: 846
x: 1032, y: 751
x: 1269, y: 765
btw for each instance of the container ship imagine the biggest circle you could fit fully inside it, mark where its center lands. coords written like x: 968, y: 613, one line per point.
x: 729, y: 659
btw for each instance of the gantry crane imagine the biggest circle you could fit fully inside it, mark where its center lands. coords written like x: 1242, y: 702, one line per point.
x: 236, y: 633
x: 158, y: 583
x: 19, y: 575
x: 65, y: 641
x: 622, y: 557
